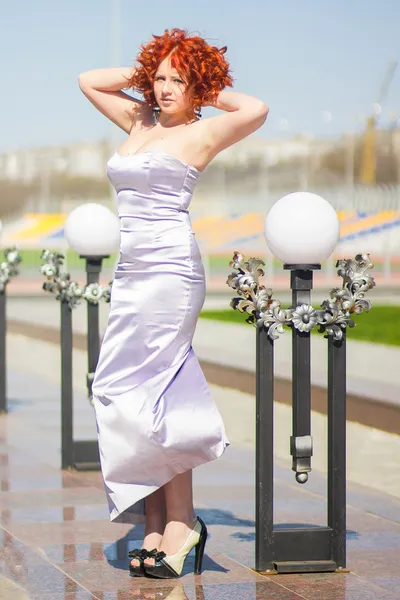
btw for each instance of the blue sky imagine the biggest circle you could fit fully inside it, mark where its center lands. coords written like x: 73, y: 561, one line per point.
x: 301, y: 57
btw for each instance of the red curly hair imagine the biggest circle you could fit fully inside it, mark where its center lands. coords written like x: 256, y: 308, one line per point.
x: 203, y: 67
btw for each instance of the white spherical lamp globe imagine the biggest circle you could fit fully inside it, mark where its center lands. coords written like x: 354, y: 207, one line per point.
x: 92, y: 230
x: 302, y: 229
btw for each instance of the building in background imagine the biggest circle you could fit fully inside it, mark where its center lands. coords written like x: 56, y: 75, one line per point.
x: 81, y: 159
x: 252, y: 173
x: 88, y: 159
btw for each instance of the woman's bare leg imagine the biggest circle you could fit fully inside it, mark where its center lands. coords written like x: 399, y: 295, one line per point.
x: 155, y: 521
x: 180, y: 516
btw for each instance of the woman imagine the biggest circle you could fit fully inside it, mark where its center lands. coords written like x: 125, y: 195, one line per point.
x: 156, y: 419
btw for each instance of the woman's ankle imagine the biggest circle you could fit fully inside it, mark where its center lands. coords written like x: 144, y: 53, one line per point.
x: 155, y: 523
x: 189, y: 518
x: 154, y: 532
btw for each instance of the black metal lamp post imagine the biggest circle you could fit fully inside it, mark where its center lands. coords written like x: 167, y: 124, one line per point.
x: 93, y: 231
x: 8, y: 269
x: 302, y: 549
x: 78, y: 454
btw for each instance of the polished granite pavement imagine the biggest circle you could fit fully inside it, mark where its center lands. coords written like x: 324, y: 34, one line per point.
x: 56, y: 541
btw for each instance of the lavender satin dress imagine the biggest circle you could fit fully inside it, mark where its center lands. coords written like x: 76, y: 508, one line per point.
x: 155, y: 414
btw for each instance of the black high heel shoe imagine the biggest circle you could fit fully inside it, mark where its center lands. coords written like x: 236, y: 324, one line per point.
x: 141, y: 554
x: 167, y: 567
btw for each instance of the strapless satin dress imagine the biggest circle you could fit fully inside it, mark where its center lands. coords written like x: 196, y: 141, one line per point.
x: 154, y: 411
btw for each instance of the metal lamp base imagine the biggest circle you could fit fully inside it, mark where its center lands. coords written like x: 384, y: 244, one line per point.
x: 94, y: 261
x: 300, y: 267
x: 303, y: 566
x: 86, y: 455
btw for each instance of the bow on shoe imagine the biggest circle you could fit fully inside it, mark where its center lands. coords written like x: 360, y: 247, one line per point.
x: 159, y: 555
x: 140, y: 553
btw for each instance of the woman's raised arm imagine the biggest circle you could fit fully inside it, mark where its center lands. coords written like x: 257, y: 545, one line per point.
x: 103, y: 88
x: 243, y: 115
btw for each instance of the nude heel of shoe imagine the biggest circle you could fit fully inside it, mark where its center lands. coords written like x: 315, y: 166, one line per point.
x: 167, y: 567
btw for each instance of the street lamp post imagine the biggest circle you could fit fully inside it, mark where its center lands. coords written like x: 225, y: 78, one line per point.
x: 301, y: 230
x: 93, y: 231
x: 8, y: 269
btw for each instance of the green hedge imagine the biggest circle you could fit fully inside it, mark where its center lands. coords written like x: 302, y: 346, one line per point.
x: 31, y: 259
x: 381, y: 325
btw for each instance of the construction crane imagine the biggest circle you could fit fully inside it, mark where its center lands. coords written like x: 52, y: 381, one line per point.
x: 368, y: 158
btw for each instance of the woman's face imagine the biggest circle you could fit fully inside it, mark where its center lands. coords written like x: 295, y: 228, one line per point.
x: 171, y: 91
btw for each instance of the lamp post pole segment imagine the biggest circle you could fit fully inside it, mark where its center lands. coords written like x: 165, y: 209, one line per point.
x: 8, y: 269
x: 264, y: 450
x: 93, y: 269
x: 3, y: 357
x: 337, y: 447
x: 301, y: 279
x: 67, y: 438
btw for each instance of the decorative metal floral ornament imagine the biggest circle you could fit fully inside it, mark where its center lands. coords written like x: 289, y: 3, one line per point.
x: 9, y: 267
x: 94, y: 292
x: 304, y: 317
x: 66, y: 290
x: 332, y: 318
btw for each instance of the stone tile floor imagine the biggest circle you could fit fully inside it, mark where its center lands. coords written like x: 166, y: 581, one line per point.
x: 56, y: 541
